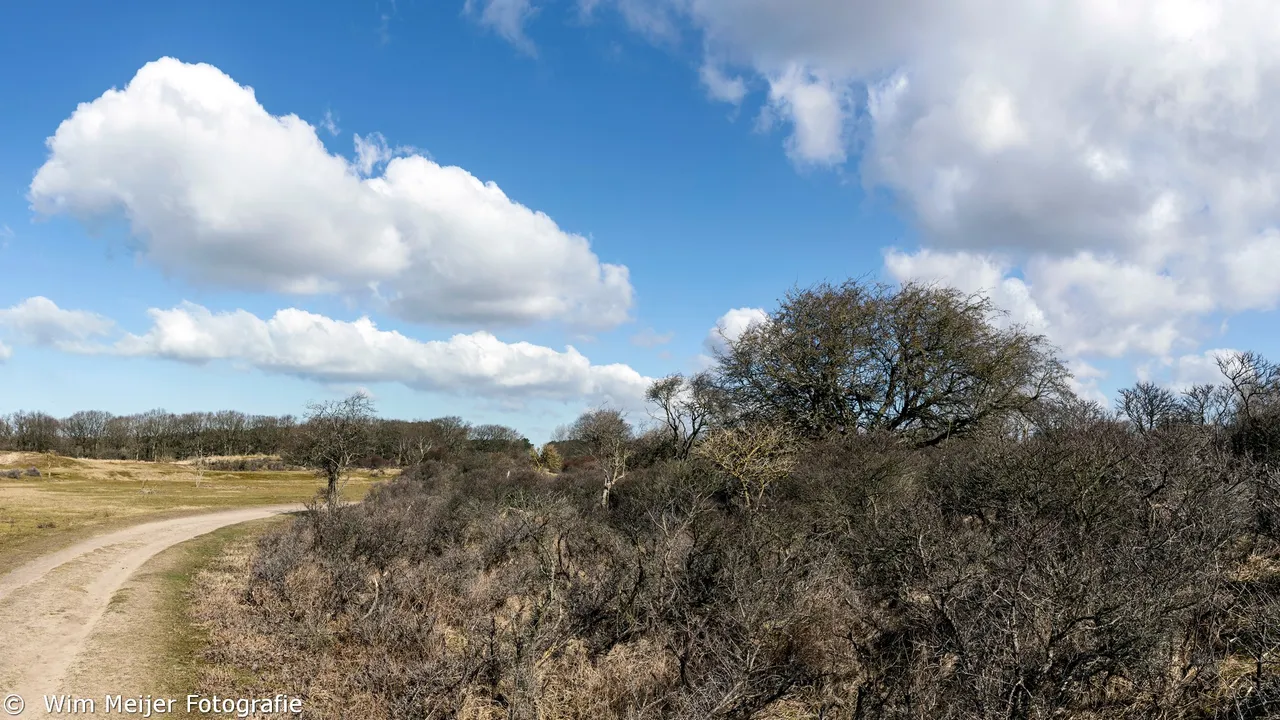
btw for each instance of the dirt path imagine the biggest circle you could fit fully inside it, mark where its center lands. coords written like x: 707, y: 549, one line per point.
x: 50, y: 607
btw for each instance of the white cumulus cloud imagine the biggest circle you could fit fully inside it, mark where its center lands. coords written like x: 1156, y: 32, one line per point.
x: 1117, y: 165
x: 39, y: 321
x: 307, y: 345
x: 730, y: 326
x: 300, y: 343
x: 218, y: 190
x: 817, y: 113
x: 1088, y: 304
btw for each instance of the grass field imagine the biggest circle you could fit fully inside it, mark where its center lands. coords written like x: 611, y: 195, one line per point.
x: 74, y: 498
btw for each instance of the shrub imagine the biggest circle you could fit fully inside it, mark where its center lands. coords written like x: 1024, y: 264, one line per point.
x: 1086, y: 572
x: 250, y: 464
x: 550, y: 458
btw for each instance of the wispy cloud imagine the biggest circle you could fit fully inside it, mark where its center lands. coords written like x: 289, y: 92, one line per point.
x: 330, y: 122
x: 384, y: 20
x: 651, y: 338
x: 507, y: 18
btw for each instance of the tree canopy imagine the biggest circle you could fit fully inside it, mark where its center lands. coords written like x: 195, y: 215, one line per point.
x: 928, y: 362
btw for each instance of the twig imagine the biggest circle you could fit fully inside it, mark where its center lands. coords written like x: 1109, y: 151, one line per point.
x: 374, y: 604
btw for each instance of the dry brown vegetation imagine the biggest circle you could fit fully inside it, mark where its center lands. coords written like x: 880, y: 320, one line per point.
x: 1097, y: 572
x: 930, y: 532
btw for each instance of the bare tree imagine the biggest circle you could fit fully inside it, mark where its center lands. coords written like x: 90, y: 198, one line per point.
x: 606, y: 435
x: 193, y: 430
x: 1254, y: 382
x: 924, y: 361
x: 228, y: 427
x: 1064, y: 412
x: 1206, y: 404
x: 685, y: 407
x: 1148, y: 406
x: 35, y: 431
x: 85, y: 431
x: 139, y: 436
x: 120, y: 435
x: 153, y: 433
x: 449, y: 432
x: 562, y: 433
x: 414, y: 441
x: 334, y: 435
x: 265, y: 434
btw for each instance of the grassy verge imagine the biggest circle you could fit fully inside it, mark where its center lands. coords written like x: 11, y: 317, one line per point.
x: 182, y: 667
x: 72, y: 498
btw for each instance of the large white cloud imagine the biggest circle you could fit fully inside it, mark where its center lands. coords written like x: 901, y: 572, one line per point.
x: 297, y: 342
x: 303, y: 344
x: 730, y: 326
x: 218, y: 190
x: 1116, y: 163
x: 39, y: 321
x: 1088, y: 304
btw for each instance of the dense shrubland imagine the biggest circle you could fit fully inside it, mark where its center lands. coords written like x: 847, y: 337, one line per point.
x: 882, y: 503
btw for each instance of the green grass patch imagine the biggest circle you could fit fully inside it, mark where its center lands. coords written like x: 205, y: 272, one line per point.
x: 182, y: 647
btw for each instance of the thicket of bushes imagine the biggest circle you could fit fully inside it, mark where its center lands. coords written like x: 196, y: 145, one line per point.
x: 1016, y: 554
x: 246, y: 464
x: 1096, y: 572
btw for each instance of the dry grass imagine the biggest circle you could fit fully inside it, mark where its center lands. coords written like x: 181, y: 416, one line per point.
x: 237, y: 656
x: 229, y: 654
x: 74, y: 498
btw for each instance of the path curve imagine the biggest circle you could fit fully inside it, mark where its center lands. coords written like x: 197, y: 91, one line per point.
x: 50, y: 607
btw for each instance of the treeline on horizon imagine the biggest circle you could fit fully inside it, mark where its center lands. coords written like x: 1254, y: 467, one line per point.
x: 159, y: 435
x: 881, y: 502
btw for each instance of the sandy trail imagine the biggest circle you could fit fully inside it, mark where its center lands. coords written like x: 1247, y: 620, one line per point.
x: 50, y: 607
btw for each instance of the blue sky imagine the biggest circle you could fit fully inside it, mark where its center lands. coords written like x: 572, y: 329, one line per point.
x: 660, y: 164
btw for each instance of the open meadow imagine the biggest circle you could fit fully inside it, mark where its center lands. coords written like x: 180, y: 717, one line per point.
x: 72, y: 498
